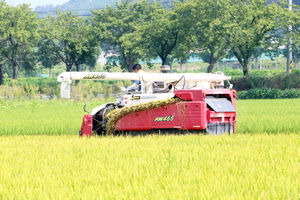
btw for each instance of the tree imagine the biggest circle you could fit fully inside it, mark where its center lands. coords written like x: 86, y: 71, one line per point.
x: 19, y: 33
x: 250, y: 24
x: 27, y: 59
x: 161, y: 35
x: 118, y: 22
x: 73, y: 37
x: 257, y: 54
x: 47, y: 54
x: 3, y: 21
x: 1, y: 72
x: 293, y: 20
x: 204, y: 20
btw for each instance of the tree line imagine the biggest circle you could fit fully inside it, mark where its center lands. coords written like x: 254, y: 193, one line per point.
x: 83, y: 7
x: 141, y: 31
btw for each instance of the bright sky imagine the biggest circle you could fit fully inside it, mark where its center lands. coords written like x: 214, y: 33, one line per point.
x: 35, y: 3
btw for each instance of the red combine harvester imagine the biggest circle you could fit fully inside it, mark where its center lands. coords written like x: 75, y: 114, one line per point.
x: 166, y: 103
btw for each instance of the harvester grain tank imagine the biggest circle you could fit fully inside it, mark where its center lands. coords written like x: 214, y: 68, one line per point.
x: 166, y: 103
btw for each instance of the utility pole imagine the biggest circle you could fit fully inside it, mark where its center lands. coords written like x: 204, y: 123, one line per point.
x: 290, y: 54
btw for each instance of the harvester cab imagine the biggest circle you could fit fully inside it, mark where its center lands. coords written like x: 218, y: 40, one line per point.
x: 165, y: 103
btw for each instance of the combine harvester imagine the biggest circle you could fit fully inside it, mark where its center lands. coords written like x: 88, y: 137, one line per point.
x: 166, y: 103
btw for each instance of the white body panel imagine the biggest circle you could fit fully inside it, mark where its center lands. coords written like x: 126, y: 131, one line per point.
x: 196, y: 77
x: 132, y: 99
x: 95, y: 110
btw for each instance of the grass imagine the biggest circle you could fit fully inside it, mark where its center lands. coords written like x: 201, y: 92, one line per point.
x: 64, y: 117
x: 46, y: 117
x: 268, y: 116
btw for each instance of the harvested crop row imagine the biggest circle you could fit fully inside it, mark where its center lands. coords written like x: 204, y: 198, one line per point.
x: 117, y: 114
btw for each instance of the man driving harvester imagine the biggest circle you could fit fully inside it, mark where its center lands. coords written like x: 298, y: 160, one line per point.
x: 137, y: 68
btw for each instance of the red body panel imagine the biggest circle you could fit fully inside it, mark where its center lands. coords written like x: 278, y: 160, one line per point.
x: 192, y: 114
x: 225, y: 117
x: 181, y: 115
x: 87, y: 126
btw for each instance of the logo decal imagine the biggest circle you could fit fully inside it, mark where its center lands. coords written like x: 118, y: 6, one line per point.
x: 94, y: 76
x: 164, y: 119
x: 136, y: 98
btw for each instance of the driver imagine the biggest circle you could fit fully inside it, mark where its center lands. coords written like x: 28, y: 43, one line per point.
x: 137, y: 68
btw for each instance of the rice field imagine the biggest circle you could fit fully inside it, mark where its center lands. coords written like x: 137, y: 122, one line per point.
x: 268, y: 116
x: 42, y: 157
x: 63, y: 117
x: 58, y: 117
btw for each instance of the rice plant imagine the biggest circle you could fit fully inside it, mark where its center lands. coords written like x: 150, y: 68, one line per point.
x: 240, y: 166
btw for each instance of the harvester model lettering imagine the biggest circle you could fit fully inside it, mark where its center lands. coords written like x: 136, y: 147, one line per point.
x: 164, y: 119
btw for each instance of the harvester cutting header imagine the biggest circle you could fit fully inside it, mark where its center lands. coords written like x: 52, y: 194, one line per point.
x: 163, y: 103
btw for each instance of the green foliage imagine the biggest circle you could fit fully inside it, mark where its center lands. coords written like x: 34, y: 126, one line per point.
x: 267, y: 79
x: 203, y: 25
x: 47, y: 53
x: 86, y: 6
x: 162, y: 35
x: 120, y: 35
x: 29, y: 88
x: 36, y: 88
x: 255, y: 73
x: 260, y: 84
x: 139, y: 31
x: 267, y: 93
x: 18, y: 36
x: 259, y: 25
x: 72, y: 40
